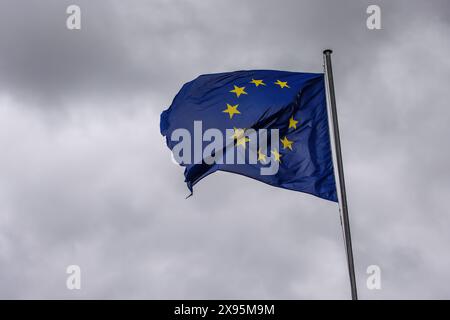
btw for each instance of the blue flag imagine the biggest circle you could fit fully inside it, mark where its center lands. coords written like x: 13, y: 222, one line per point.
x: 268, y: 125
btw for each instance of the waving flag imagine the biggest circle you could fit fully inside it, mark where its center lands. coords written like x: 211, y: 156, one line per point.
x: 246, y: 122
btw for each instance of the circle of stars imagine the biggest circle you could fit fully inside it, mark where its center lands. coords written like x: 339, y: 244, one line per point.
x: 239, y: 133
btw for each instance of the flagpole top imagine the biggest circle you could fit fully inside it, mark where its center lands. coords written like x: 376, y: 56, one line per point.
x: 327, y: 51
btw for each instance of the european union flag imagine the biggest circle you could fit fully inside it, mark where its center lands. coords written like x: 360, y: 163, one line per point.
x: 268, y: 125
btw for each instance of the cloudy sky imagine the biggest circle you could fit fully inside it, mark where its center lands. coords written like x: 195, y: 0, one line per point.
x: 86, y: 178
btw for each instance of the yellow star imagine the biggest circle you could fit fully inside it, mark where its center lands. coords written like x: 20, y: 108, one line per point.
x: 261, y: 156
x: 239, y: 135
x: 282, y: 84
x: 286, y: 143
x: 257, y: 82
x: 231, y: 110
x: 238, y: 90
x: 276, y: 154
x: 292, y: 123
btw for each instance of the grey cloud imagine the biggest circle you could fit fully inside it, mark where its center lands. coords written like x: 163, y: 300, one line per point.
x: 86, y: 178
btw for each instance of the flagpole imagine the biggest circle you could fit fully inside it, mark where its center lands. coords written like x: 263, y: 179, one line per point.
x: 343, y: 208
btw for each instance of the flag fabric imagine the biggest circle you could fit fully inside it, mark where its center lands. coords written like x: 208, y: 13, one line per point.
x: 292, y: 103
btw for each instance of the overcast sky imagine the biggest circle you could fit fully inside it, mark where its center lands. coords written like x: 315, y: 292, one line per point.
x: 86, y: 178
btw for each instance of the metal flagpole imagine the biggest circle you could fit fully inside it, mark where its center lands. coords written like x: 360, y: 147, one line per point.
x: 340, y: 170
